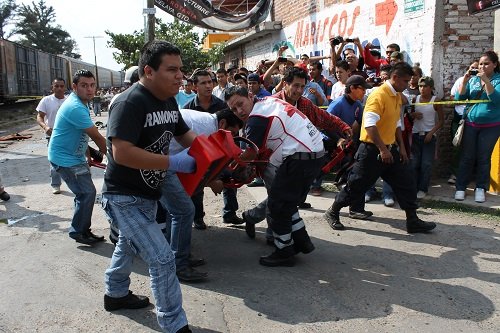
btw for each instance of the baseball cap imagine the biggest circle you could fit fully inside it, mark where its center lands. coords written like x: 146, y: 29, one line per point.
x: 397, y: 55
x: 357, y: 80
x: 254, y: 77
x: 426, y: 81
x: 128, y: 74
x: 304, y: 56
x: 240, y: 77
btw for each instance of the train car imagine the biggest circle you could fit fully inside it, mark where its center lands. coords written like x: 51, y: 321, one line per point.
x: 26, y: 72
x: 106, y: 76
x: 117, y: 78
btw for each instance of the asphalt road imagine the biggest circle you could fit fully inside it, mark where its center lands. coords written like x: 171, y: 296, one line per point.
x: 372, y: 277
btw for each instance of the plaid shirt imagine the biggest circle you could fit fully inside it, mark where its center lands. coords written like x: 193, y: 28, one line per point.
x: 318, y: 117
x: 326, y: 85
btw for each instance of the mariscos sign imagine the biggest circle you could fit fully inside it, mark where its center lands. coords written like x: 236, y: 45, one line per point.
x: 342, y: 20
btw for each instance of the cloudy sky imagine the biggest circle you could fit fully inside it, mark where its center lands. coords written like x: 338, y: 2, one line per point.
x: 92, y: 17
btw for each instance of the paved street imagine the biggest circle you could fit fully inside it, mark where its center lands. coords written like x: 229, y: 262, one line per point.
x: 372, y: 277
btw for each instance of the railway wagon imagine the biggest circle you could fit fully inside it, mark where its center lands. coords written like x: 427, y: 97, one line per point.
x: 26, y: 72
x: 105, y: 75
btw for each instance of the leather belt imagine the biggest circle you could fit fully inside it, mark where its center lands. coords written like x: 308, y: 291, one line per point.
x: 307, y: 156
x: 375, y: 146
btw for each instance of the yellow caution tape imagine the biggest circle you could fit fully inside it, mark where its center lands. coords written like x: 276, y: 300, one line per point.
x: 476, y: 101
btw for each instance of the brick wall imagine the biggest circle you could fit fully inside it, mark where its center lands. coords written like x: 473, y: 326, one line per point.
x: 440, y: 36
x: 462, y: 39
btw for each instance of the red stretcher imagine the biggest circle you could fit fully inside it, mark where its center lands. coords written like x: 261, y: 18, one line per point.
x: 214, y: 154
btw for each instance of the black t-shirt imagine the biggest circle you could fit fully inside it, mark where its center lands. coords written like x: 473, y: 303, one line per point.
x: 138, y: 117
x: 216, y: 105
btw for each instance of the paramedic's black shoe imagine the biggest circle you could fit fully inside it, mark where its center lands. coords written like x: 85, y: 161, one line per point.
x: 276, y: 259
x: 416, y: 225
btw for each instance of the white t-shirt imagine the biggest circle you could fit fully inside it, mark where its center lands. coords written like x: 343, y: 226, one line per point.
x: 50, y: 105
x: 428, y: 120
x: 458, y: 108
x: 338, y: 89
x: 202, y: 123
x: 219, y: 92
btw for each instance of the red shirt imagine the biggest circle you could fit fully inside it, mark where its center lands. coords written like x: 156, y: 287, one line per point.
x: 318, y: 117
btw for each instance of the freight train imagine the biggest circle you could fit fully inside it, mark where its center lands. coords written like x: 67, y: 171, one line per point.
x: 27, y: 73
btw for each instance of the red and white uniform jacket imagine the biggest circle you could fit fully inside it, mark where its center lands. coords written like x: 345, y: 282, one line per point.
x: 280, y: 130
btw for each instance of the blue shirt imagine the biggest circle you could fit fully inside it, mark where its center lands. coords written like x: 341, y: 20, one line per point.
x: 182, y: 98
x: 346, y: 109
x: 312, y: 97
x: 482, y: 114
x: 263, y: 93
x: 68, y: 142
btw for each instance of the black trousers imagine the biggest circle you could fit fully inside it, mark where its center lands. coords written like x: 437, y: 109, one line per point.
x: 290, y: 185
x: 366, y: 171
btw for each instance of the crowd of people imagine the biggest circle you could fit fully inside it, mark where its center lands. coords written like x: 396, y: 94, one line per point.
x: 296, y: 112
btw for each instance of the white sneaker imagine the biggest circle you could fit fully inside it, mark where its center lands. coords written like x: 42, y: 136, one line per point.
x: 56, y: 190
x: 479, y: 196
x: 389, y: 202
x: 421, y: 194
x: 452, y: 180
x: 459, y: 195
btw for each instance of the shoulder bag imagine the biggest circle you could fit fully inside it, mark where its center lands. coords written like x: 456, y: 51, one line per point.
x: 457, y: 139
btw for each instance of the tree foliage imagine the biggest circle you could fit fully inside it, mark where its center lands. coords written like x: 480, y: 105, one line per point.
x: 177, y: 33
x: 36, y: 25
x: 7, y: 14
x: 216, y: 53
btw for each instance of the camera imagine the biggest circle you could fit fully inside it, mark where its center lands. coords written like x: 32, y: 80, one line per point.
x: 473, y: 71
x: 282, y: 59
x: 339, y: 40
x: 336, y: 40
x: 377, y: 80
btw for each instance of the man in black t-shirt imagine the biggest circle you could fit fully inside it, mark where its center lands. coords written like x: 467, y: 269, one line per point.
x: 142, y: 122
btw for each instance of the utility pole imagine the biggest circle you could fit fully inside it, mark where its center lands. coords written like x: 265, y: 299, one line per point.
x: 149, y: 21
x: 95, y: 60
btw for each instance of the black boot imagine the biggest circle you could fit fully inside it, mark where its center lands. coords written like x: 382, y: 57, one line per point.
x: 416, y: 225
x: 332, y: 216
x: 280, y: 257
x: 302, y: 241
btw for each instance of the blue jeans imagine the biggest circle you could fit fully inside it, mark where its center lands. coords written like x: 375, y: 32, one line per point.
x: 79, y: 181
x: 97, y: 108
x: 140, y: 235
x: 197, y: 200
x: 422, y: 158
x: 477, y: 147
x: 55, y: 179
x: 230, y: 202
x: 387, y: 192
x: 180, y: 215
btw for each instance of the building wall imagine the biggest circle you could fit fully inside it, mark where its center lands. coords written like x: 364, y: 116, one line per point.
x: 438, y: 34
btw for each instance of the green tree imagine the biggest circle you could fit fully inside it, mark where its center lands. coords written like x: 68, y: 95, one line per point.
x: 7, y: 13
x: 216, y: 53
x: 177, y: 33
x: 36, y: 26
x: 128, y: 46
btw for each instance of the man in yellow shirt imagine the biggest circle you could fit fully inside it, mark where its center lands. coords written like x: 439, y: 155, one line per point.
x: 381, y: 153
